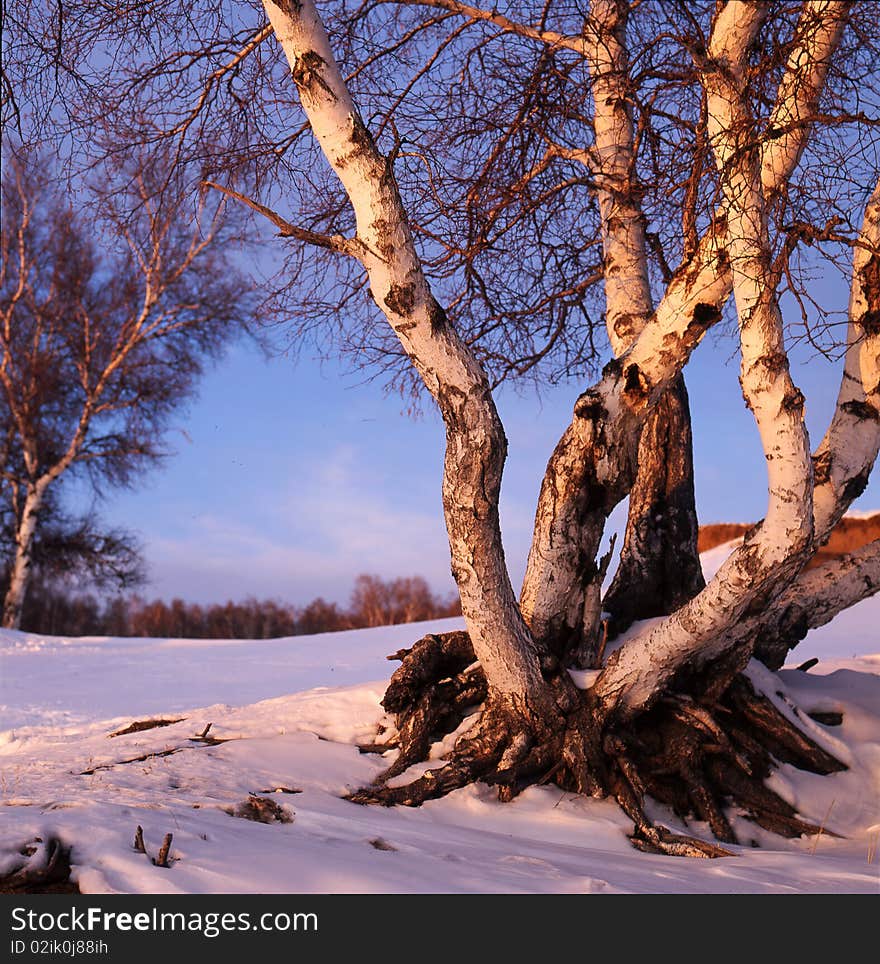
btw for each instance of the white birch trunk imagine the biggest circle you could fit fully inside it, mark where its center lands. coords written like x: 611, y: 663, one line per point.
x: 628, y: 304
x: 659, y: 567
x: 774, y: 552
x: 21, y: 566
x: 569, y: 521
x: 815, y: 598
x: 476, y: 445
x: 844, y: 459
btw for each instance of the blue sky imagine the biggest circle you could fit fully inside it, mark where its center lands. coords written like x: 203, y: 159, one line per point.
x: 291, y: 479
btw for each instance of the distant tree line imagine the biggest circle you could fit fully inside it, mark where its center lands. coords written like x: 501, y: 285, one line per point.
x: 55, y: 610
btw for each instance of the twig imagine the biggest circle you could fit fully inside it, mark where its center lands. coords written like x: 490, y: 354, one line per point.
x: 821, y: 828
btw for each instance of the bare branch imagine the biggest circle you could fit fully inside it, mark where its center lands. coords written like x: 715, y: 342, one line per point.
x: 286, y: 229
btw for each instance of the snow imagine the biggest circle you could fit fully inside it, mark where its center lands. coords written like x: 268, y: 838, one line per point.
x: 293, y: 711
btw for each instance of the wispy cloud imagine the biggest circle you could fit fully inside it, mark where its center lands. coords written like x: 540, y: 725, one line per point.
x: 337, y: 518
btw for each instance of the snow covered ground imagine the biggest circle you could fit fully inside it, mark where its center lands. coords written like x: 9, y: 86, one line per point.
x: 292, y: 711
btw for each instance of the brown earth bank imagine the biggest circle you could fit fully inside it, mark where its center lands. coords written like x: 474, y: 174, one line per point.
x: 851, y: 533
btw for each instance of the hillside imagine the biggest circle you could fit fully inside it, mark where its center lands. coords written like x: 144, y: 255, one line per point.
x: 851, y: 533
x: 286, y: 719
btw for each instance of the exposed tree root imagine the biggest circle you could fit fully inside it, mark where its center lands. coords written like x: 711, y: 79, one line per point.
x: 44, y: 869
x: 435, y: 687
x: 702, y: 758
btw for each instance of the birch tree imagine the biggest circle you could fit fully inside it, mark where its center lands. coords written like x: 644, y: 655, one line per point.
x: 468, y: 191
x: 98, y: 348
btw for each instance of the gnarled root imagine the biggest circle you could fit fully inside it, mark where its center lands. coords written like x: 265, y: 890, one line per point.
x: 437, y: 685
x: 701, y: 758
x: 43, y: 869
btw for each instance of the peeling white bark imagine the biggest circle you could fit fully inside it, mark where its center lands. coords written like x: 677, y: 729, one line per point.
x: 628, y: 304
x: 850, y: 447
x: 24, y: 544
x: 814, y: 599
x: 476, y: 446
x: 569, y: 521
x: 772, y: 553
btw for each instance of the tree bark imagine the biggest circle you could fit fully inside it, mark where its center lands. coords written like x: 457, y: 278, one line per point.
x: 19, y: 576
x: 843, y: 461
x: 814, y: 599
x: 556, y: 592
x: 774, y: 552
x: 594, y: 464
x: 659, y: 568
x: 475, y: 442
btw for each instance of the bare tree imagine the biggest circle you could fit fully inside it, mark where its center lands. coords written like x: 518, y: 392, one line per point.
x: 407, y: 599
x: 103, y: 334
x: 495, y: 182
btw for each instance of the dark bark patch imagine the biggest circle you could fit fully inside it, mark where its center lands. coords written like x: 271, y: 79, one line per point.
x: 450, y: 400
x: 385, y: 246
x: 774, y: 362
x: 636, y: 385
x: 613, y: 368
x: 750, y: 557
x: 856, y: 486
x: 439, y: 321
x: 624, y: 326
x: 822, y: 468
x: 306, y: 72
x: 860, y: 410
x: 590, y: 407
x: 401, y: 299
x: 870, y: 320
x: 793, y: 401
x: 288, y: 7
x: 705, y: 315
x: 361, y: 137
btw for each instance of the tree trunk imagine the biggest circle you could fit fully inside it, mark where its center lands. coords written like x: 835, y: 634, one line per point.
x: 19, y: 576
x: 594, y: 465
x: 476, y: 446
x: 814, y: 599
x: 696, y: 743
x: 659, y: 568
x: 773, y: 553
x: 557, y: 590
